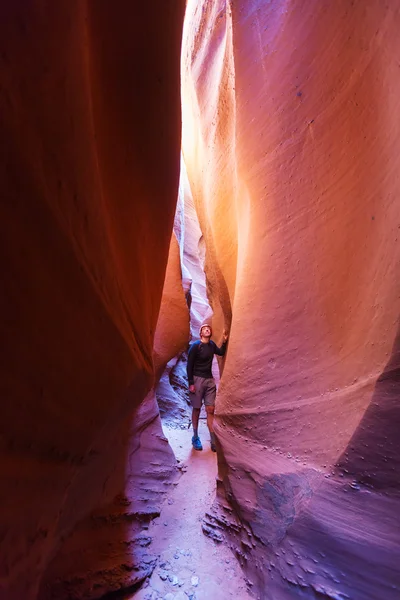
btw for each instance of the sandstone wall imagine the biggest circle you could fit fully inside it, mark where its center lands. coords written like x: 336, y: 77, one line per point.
x: 172, y: 332
x: 291, y: 138
x: 89, y: 167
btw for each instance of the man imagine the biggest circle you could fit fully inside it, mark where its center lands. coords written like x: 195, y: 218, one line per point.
x: 201, y: 382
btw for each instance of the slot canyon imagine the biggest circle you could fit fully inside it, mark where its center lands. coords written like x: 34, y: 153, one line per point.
x: 172, y: 162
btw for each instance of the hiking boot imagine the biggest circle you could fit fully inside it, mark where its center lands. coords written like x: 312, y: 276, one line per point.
x: 196, y: 443
x: 213, y: 447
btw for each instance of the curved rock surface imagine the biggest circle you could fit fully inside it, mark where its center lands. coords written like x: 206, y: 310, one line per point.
x: 172, y: 332
x: 171, y: 339
x: 292, y: 142
x: 89, y: 168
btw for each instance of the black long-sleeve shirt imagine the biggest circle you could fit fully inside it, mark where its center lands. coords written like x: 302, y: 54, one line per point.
x: 200, y: 359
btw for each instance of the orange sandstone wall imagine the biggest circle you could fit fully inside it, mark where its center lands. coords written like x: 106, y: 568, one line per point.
x: 89, y: 168
x: 291, y: 139
x: 172, y: 332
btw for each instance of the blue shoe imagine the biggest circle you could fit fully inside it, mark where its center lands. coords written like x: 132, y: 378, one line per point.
x: 196, y: 443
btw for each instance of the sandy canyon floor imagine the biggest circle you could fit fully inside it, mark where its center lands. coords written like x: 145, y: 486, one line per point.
x: 191, y: 566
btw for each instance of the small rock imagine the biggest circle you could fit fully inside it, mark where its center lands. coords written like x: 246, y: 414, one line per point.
x: 144, y: 541
x: 194, y: 581
x: 165, y: 523
x: 212, y: 533
x: 163, y: 575
x: 170, y: 501
x: 173, y: 579
x: 176, y: 556
x: 354, y: 485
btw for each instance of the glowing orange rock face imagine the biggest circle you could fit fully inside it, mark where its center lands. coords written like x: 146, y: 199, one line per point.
x: 90, y: 141
x: 291, y: 140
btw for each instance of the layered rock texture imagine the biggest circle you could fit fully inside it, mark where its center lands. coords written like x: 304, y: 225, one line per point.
x: 291, y: 138
x: 89, y: 171
x: 291, y: 144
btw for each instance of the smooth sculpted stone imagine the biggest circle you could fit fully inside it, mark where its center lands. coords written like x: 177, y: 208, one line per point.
x: 90, y: 156
x: 291, y: 141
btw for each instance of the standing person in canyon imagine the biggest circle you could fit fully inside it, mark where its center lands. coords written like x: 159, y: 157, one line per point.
x: 201, y: 381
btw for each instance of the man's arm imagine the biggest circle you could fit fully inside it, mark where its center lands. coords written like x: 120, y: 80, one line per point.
x: 190, y: 363
x: 221, y: 351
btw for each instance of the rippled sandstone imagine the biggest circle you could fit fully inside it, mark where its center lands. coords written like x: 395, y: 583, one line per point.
x: 291, y: 141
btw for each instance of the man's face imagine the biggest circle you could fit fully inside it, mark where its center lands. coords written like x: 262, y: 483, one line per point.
x: 206, y: 332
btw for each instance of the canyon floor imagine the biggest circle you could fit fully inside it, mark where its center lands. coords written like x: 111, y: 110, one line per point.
x: 191, y: 566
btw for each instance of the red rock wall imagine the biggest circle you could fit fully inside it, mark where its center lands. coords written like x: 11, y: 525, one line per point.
x: 172, y: 332
x: 89, y: 167
x: 291, y: 140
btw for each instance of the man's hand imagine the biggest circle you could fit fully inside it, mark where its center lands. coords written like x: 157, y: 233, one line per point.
x: 225, y: 336
x: 192, y: 389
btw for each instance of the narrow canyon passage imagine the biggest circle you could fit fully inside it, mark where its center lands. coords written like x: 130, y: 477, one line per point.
x: 191, y: 565
x: 283, y: 119
x: 188, y: 564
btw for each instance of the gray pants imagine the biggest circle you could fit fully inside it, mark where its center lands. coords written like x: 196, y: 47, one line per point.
x: 205, y: 389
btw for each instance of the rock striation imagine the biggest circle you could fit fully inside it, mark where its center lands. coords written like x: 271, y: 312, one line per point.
x: 89, y: 170
x: 291, y: 142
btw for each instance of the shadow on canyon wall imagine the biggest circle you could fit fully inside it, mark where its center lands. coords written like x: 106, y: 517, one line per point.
x: 373, y: 454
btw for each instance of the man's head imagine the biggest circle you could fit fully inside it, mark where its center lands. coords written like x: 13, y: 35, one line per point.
x: 205, y: 331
